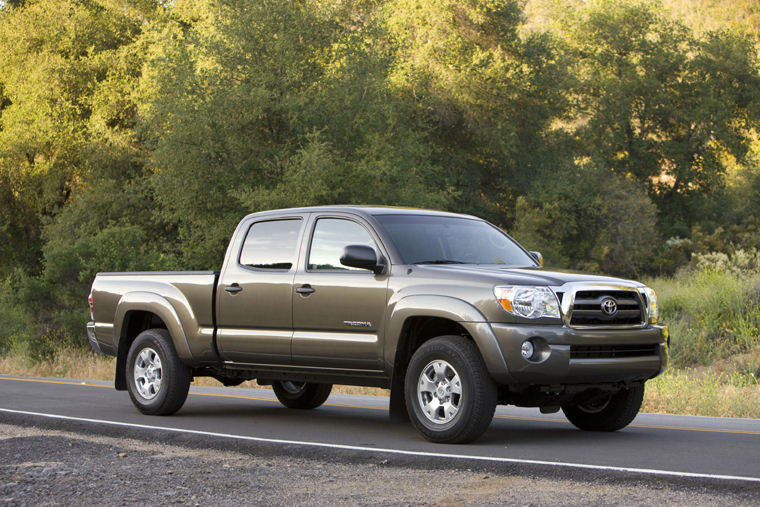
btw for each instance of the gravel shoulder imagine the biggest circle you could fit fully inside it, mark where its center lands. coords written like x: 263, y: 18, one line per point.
x: 42, y: 466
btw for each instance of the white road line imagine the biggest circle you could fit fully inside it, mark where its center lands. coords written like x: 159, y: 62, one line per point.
x: 646, y: 471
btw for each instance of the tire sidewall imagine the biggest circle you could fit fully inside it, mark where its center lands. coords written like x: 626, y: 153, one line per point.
x: 432, y: 351
x: 310, y: 396
x: 619, y: 412
x: 152, y: 339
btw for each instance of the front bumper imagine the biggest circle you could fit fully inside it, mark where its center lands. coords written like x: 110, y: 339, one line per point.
x: 555, y: 364
x: 92, y: 338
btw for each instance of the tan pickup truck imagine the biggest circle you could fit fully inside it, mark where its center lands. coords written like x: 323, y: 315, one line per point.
x: 445, y: 310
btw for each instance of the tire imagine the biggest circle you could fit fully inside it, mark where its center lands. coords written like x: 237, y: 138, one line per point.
x: 301, y: 395
x: 607, y: 414
x: 438, y: 369
x: 157, y: 380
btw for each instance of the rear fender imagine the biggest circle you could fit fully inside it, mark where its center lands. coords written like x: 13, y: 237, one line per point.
x: 153, y: 303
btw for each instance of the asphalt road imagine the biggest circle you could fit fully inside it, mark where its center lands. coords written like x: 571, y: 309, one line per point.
x: 681, y: 447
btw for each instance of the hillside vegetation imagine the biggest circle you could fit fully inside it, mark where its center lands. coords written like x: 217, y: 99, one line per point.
x: 614, y: 136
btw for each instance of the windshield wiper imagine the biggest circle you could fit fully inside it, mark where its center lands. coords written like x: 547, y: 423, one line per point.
x: 441, y: 261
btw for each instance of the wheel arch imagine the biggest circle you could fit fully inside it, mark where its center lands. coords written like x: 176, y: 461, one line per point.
x: 137, y: 312
x: 417, y: 319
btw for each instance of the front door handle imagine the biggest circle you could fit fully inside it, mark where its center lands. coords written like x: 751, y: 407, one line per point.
x: 232, y: 289
x: 305, y: 289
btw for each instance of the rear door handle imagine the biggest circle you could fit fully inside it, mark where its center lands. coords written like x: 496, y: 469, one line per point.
x: 232, y: 289
x: 305, y: 289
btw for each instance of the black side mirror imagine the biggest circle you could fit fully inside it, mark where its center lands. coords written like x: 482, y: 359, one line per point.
x: 363, y: 257
x: 539, y: 258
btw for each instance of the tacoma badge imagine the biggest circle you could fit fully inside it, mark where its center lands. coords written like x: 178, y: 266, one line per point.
x: 356, y: 323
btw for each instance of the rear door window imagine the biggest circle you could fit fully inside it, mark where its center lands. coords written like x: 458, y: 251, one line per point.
x: 271, y: 245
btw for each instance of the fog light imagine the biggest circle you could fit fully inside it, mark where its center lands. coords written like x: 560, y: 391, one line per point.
x: 527, y: 349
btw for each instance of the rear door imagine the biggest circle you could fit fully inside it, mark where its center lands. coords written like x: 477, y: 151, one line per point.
x: 338, y: 311
x: 254, y: 307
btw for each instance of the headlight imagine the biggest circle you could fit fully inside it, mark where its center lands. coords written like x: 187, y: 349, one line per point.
x: 528, y: 302
x: 651, y: 298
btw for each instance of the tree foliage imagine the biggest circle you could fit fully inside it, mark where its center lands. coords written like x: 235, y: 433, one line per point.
x: 616, y: 136
x: 591, y: 220
x: 662, y: 106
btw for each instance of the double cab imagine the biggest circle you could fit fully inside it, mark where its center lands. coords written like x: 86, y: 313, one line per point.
x: 445, y: 310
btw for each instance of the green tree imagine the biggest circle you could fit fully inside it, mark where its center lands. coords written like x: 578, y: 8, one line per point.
x: 61, y: 75
x: 68, y: 153
x: 592, y: 220
x: 487, y: 94
x: 660, y: 105
x: 251, y: 106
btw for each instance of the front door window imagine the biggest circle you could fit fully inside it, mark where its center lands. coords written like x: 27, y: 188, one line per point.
x: 331, y: 236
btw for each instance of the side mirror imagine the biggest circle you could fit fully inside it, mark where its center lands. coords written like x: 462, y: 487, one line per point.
x: 539, y: 258
x: 363, y: 257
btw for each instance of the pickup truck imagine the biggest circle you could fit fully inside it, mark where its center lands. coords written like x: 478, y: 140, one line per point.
x: 445, y: 310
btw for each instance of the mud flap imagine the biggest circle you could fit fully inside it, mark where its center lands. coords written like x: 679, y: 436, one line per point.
x: 397, y: 406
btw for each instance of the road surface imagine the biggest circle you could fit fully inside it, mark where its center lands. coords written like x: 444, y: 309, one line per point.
x: 704, y: 450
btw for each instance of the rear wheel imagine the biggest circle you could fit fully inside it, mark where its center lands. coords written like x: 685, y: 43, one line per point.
x: 608, y: 413
x: 157, y: 380
x: 301, y: 395
x: 450, y: 397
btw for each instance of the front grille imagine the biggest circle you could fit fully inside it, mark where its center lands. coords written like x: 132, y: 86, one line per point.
x: 610, y: 351
x: 587, y: 308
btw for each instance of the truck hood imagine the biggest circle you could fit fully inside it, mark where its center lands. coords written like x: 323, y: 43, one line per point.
x: 523, y: 276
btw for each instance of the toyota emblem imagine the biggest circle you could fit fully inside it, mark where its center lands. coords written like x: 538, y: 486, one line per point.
x: 609, y: 306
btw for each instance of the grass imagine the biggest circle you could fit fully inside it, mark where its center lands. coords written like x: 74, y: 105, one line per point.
x: 712, y: 315
x: 691, y: 392
x: 75, y: 363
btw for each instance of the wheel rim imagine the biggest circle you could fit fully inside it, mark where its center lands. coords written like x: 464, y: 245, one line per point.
x: 439, y: 392
x: 596, y: 406
x: 148, y: 373
x: 293, y: 387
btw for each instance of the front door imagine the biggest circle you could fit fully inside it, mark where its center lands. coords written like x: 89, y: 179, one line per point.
x: 338, y: 311
x: 255, y: 315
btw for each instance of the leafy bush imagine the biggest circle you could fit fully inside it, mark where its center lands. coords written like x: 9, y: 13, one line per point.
x: 738, y: 263
x: 15, y: 319
x: 713, y: 312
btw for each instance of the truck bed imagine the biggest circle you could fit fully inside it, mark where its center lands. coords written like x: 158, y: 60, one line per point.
x: 188, y: 294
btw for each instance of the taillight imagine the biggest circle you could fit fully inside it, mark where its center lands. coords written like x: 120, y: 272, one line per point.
x: 92, y: 308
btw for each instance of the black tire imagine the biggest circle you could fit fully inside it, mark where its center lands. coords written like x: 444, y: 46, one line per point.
x: 301, y: 395
x: 607, y: 414
x: 170, y: 393
x: 449, y: 364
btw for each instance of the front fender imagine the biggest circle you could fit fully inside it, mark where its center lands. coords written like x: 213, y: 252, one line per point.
x: 159, y: 305
x: 454, y: 309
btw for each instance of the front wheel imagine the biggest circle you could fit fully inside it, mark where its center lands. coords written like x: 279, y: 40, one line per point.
x: 301, y: 395
x: 449, y: 395
x: 157, y: 380
x: 608, y: 413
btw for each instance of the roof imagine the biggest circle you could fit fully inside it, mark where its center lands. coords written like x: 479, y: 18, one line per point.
x: 366, y: 210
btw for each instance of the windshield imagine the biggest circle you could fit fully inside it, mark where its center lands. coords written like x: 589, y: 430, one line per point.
x: 427, y: 239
